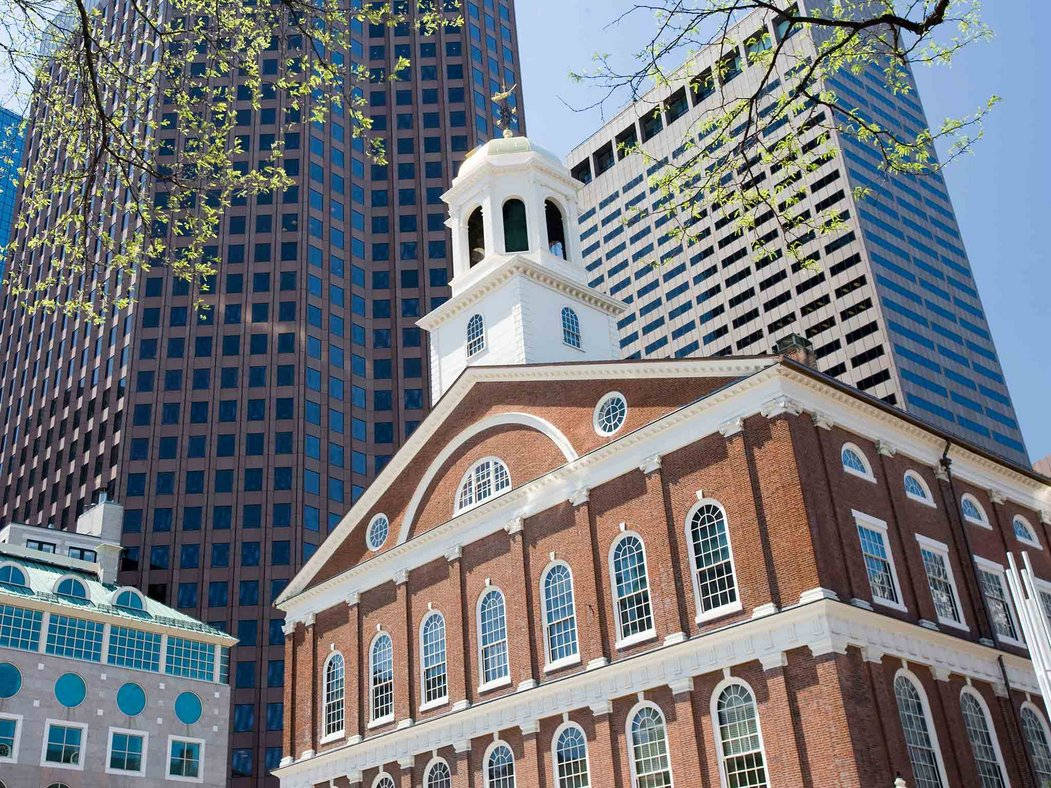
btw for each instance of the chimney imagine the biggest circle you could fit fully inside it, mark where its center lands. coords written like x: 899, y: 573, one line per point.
x: 798, y: 348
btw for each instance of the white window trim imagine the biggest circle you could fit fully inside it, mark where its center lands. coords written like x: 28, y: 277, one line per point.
x: 554, y: 751
x: 630, y: 744
x: 984, y: 522
x: 932, y: 732
x: 570, y: 659
x: 379, y: 778
x: 713, y: 709
x: 998, y: 570
x: 501, y: 681
x: 868, y: 475
x: 927, y: 501
x: 375, y: 722
x: 78, y: 767
x: 470, y: 473
x: 168, y: 759
x: 368, y: 532
x: 639, y: 637
x: 437, y: 702
x: 580, y: 332
x: 991, y: 726
x: 598, y: 409
x: 145, y: 749
x: 874, y: 523
x: 16, y: 744
x: 1040, y: 718
x: 467, y: 337
x: 722, y: 610
x: 1035, y: 542
x: 485, y: 760
x: 434, y: 761
x: 325, y: 738
x: 943, y: 550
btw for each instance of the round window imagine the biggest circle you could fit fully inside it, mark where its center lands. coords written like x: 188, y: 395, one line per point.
x: 610, y: 413
x: 379, y: 528
x: 10, y: 680
x: 131, y: 699
x: 70, y: 690
x: 188, y: 708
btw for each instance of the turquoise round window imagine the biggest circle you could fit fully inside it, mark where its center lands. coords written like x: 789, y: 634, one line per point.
x: 188, y: 708
x: 70, y: 690
x: 131, y: 699
x: 10, y: 680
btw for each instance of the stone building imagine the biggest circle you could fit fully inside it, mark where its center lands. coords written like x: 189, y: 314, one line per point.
x: 100, y: 685
x: 582, y: 571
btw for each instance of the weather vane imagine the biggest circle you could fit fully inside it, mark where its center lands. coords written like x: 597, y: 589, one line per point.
x: 507, y: 111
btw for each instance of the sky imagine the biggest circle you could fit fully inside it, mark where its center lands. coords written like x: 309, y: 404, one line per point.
x: 999, y: 192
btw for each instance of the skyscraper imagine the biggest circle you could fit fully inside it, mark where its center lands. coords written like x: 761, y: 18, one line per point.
x: 891, y: 304
x: 11, y: 144
x: 236, y: 438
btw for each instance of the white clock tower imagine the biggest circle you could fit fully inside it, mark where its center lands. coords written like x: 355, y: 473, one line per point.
x: 519, y: 288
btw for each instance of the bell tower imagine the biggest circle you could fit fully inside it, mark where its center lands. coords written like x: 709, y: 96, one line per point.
x: 519, y: 288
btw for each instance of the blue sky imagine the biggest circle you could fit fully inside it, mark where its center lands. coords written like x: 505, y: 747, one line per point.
x: 1000, y: 192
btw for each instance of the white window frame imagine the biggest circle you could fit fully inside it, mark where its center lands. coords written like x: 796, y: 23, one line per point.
x: 17, y: 742
x: 469, y: 477
x: 932, y: 732
x: 80, y: 581
x: 375, y: 722
x: 998, y: 570
x: 78, y: 767
x: 368, y: 532
x: 990, y: 726
x: 1035, y: 541
x: 434, y: 761
x: 554, y: 752
x: 722, y: 610
x: 867, y: 475
x: 598, y: 410
x: 145, y: 749
x: 501, y: 681
x: 337, y: 734
x: 436, y: 702
x: 1043, y: 587
x: 381, y: 776
x: 576, y: 320
x: 928, y: 498
x: 638, y: 637
x: 485, y: 761
x: 984, y: 521
x: 942, y: 549
x: 630, y: 742
x: 168, y: 759
x: 880, y: 526
x: 571, y: 659
x: 713, y: 710
x: 1040, y: 719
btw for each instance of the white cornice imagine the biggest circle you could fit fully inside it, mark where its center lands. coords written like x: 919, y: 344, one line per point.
x: 825, y: 626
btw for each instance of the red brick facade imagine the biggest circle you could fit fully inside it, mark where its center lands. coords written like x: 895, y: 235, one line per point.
x: 824, y: 692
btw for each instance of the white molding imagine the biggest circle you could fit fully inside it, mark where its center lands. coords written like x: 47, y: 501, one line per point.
x: 650, y: 464
x: 780, y: 405
x: 822, y: 420
x: 579, y: 496
x: 886, y: 448
x: 731, y: 427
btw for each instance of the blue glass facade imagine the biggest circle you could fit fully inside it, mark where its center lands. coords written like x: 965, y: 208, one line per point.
x: 11, y: 145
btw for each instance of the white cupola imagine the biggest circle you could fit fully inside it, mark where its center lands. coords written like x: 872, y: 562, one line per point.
x: 519, y: 288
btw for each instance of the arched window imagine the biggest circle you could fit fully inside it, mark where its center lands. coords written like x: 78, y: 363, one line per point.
x: 570, y: 327
x: 855, y: 462
x: 560, y: 618
x: 739, y: 740
x: 556, y: 230
x: 475, y: 236
x: 980, y: 734
x: 485, y: 479
x: 714, y: 580
x: 438, y: 775
x: 383, y: 781
x: 1038, y: 742
x: 516, y: 234
x: 492, y: 628
x: 432, y: 646
x: 571, y: 757
x: 381, y: 672
x: 916, y: 488
x: 1024, y: 531
x: 335, y: 682
x: 631, y: 588
x: 130, y: 600
x: 71, y: 588
x: 650, y: 767
x: 11, y: 575
x: 920, y: 740
x: 500, y: 767
x: 973, y: 511
x: 475, y: 335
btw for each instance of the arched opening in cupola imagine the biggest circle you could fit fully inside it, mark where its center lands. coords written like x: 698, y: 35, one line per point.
x: 475, y: 236
x: 556, y: 230
x: 516, y: 236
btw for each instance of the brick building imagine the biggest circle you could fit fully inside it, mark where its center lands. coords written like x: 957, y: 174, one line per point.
x: 717, y: 571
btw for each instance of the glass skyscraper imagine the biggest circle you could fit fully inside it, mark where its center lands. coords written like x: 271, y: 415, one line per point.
x: 237, y: 437
x: 10, y: 159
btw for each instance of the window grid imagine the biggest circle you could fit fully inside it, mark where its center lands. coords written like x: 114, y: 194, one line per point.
x: 1022, y: 531
x: 334, y: 687
x: 712, y: 561
x: 435, y: 682
x: 482, y: 482
x: 20, y: 628
x: 649, y: 749
x: 999, y: 608
x: 985, y: 758
x: 185, y: 759
x: 126, y: 752
x: 492, y: 623
x: 190, y: 659
x: 133, y: 648
x: 877, y: 564
x: 941, y: 586
x: 385, y: 782
x: 570, y: 327
x: 743, y: 759
x: 439, y: 776
x: 1037, y: 744
x: 500, y: 768
x: 74, y: 637
x: 612, y: 412
x: 475, y: 335
x: 63, y: 744
x: 632, y: 586
x: 922, y: 756
x: 853, y: 461
x: 571, y: 759
x: 914, y: 488
x: 560, y: 614
x: 8, y: 733
x: 382, y: 683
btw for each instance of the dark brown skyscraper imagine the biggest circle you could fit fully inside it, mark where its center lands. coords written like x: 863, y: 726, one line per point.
x: 237, y: 439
